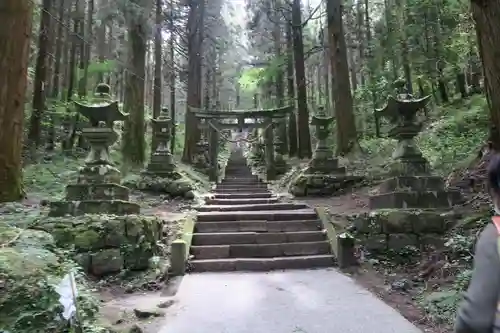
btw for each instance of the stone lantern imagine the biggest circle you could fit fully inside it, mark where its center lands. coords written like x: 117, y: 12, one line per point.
x: 323, y: 160
x: 98, y: 188
x: 323, y: 176
x: 100, y: 137
x: 405, y: 127
x: 412, y: 207
x: 279, y: 160
x: 162, y: 163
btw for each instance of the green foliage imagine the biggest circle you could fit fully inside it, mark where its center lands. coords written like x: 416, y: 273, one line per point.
x: 442, y: 305
x: 450, y: 138
x: 50, y: 178
x: 97, y: 67
x: 250, y: 79
x: 456, y: 135
x: 30, y: 268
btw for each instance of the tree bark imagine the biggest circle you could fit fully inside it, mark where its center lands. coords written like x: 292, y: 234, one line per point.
x: 171, y: 49
x: 292, y: 120
x: 34, y: 134
x: 15, y: 16
x: 134, y: 143
x: 341, y: 90
x: 487, y: 17
x: 304, y: 144
x: 158, y: 61
x: 195, y: 42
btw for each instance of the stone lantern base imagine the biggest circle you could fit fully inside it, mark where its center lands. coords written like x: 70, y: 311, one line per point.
x: 161, y: 165
x: 202, y: 157
x: 173, y: 184
x: 400, y: 230
x: 307, y: 184
x: 409, y: 192
x: 407, y: 211
x: 96, y: 192
x: 280, y: 164
x: 326, y: 166
x: 322, y: 177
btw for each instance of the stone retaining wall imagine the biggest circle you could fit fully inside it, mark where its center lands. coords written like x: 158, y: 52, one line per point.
x: 106, y: 244
x: 396, y: 229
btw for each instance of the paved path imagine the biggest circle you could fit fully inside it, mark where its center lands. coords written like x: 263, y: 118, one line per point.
x: 314, y: 301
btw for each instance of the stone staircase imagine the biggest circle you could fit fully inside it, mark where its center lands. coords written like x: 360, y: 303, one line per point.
x: 244, y: 227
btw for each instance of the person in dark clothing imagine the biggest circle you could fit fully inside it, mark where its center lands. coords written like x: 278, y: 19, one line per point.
x: 480, y: 311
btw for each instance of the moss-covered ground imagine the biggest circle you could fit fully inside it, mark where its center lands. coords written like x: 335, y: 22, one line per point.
x: 37, y: 251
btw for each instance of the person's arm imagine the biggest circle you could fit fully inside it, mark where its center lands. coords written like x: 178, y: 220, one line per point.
x: 479, y: 307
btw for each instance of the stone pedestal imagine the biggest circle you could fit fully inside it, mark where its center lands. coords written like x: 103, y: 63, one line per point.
x: 411, y: 209
x: 323, y: 176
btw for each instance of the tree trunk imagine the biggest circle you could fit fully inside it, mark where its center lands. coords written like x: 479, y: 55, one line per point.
x: 195, y: 42
x: 390, y: 39
x: 304, y: 147
x: 280, y: 88
x: 101, y: 42
x: 81, y: 39
x: 171, y: 49
x: 133, y: 140
x: 158, y: 61
x: 59, y: 51
x: 438, y: 55
x: 292, y: 121
x: 15, y: 16
x: 59, y: 42
x: 74, y: 47
x: 405, y: 54
x: 341, y: 90
x: 487, y: 17
x: 461, y: 84
x: 88, y: 45
x: 67, y: 43
x: 361, y: 39
x: 34, y: 134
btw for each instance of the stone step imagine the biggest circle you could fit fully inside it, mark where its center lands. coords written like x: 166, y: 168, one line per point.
x: 249, y: 201
x: 244, y: 195
x: 229, y: 238
x: 262, y: 264
x: 258, y: 226
x: 260, y: 250
x: 241, y: 175
x: 240, y: 181
x: 241, y: 186
x: 237, y: 165
x: 277, y: 215
x: 251, y: 207
x: 246, y: 190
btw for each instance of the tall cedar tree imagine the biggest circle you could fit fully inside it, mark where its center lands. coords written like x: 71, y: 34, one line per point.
x: 15, y: 16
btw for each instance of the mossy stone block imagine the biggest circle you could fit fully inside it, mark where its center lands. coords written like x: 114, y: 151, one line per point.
x: 106, y: 261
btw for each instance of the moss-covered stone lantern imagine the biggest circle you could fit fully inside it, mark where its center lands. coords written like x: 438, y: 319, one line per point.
x: 97, y: 189
x: 162, y: 163
x: 323, y: 175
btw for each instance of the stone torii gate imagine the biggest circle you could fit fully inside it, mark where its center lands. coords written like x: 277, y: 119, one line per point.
x: 215, y: 122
